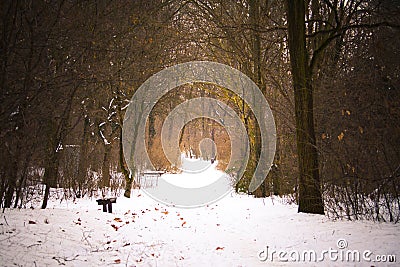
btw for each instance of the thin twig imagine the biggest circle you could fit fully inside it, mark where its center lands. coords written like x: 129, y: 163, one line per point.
x: 6, y: 220
x: 37, y: 244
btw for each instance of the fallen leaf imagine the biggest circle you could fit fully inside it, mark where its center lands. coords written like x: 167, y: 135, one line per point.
x: 117, y: 261
x: 183, y: 223
x: 340, y: 136
x: 115, y: 227
x: 165, y: 212
x: 117, y: 219
x: 32, y: 222
x: 220, y: 248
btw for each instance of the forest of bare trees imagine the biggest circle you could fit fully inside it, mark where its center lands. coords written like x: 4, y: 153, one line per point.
x: 329, y: 70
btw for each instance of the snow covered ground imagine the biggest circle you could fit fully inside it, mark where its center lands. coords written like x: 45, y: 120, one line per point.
x: 234, y: 231
x: 195, y: 173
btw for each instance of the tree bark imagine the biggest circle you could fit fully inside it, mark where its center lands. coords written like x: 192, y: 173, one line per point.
x: 125, y: 172
x: 310, y: 197
x: 52, y: 160
x: 105, y: 170
x: 128, y: 174
x: 152, y: 130
x: 254, y: 14
x: 83, y: 151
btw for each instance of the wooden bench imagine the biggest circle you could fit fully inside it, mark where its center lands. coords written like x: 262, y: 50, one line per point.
x: 147, y: 182
x: 152, y: 173
x: 107, y: 203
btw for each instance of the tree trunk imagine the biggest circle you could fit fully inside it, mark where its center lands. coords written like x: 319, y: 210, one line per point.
x: 310, y: 197
x: 276, y: 185
x: 51, y: 167
x: 254, y: 14
x: 2, y: 188
x: 128, y: 187
x: 50, y: 177
x: 152, y: 130
x: 105, y: 169
x: 46, y: 196
x: 128, y: 177
x: 82, y: 165
x: 12, y: 181
x: 22, y: 180
x: 128, y: 173
x: 9, y: 195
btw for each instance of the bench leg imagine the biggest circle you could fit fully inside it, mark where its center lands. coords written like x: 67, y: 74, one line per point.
x: 104, y: 207
x: 109, y: 207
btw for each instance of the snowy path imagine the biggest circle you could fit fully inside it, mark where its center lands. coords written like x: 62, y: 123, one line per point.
x: 142, y: 232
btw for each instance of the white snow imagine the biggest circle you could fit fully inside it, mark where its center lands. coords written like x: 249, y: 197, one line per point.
x: 142, y: 232
x: 59, y: 147
x: 196, y: 173
x: 111, y: 114
x: 104, y: 138
x: 111, y: 101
